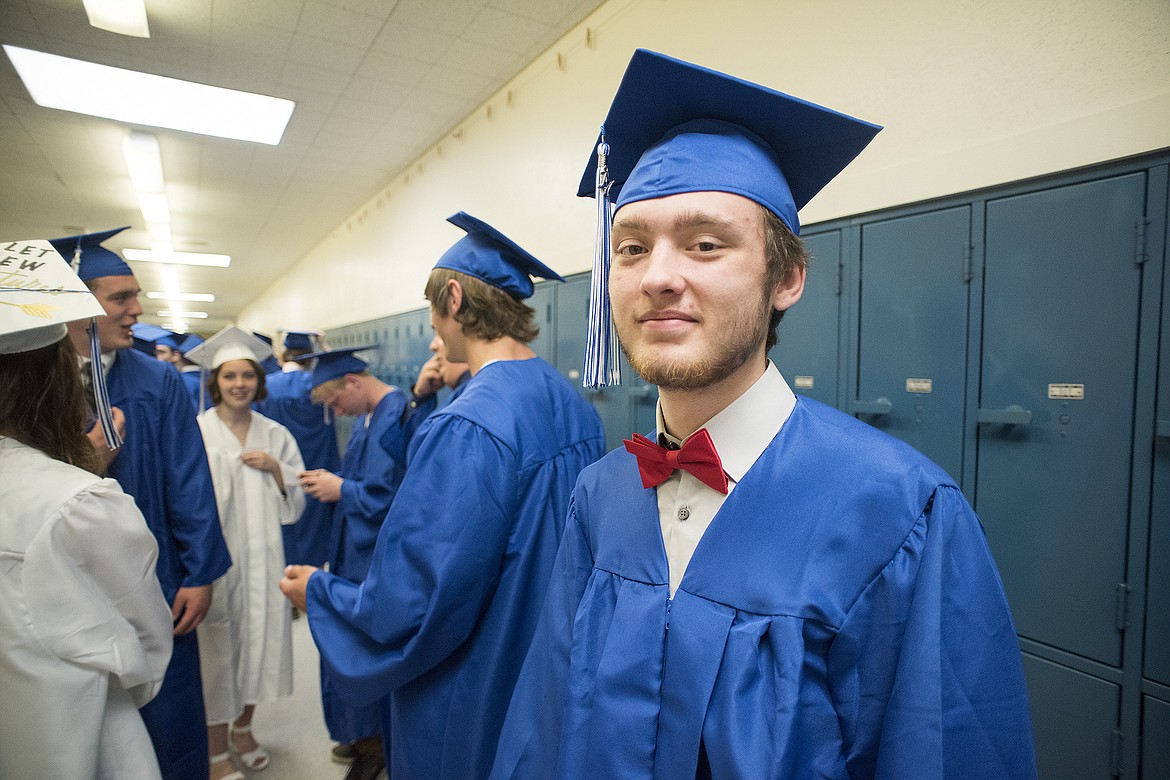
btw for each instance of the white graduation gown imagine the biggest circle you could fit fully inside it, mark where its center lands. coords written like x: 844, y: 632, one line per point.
x: 85, y: 633
x: 245, y: 642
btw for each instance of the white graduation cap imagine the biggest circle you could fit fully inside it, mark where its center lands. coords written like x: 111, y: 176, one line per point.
x: 38, y: 295
x: 231, y: 343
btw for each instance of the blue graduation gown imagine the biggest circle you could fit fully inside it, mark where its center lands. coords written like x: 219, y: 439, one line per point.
x: 445, y: 615
x: 841, y: 617
x: 290, y: 404
x: 416, y: 413
x: 372, y: 474
x: 163, y: 465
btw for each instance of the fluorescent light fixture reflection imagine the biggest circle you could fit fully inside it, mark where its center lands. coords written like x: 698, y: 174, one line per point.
x: 197, y: 315
x: 146, y: 99
x: 155, y: 208
x: 177, y: 326
x: 144, y: 161
x: 178, y: 258
x: 167, y: 296
x: 125, y: 17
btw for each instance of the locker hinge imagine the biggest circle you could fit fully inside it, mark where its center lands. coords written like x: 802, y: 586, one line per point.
x: 1123, y: 606
x: 968, y: 261
x: 1139, y: 243
x: 840, y: 278
x: 1115, y: 744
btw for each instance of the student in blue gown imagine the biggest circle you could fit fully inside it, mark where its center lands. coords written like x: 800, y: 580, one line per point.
x: 191, y: 374
x: 163, y: 465
x: 772, y: 589
x: 362, y: 491
x: 289, y: 402
x: 442, y: 620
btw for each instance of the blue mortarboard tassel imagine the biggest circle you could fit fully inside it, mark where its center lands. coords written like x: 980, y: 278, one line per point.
x: 602, y: 366
x: 97, y: 377
x: 101, y: 395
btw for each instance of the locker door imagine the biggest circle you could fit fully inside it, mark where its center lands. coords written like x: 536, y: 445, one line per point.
x: 1056, y: 406
x: 1157, y: 640
x: 912, y: 331
x: 1155, y: 739
x: 542, y: 303
x: 806, y: 350
x: 1076, y: 711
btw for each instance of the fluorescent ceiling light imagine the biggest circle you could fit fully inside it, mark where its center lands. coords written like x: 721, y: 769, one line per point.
x: 154, y: 208
x: 145, y: 99
x: 177, y: 327
x: 166, y: 296
x: 125, y: 17
x: 178, y: 258
x: 198, y: 315
x: 144, y: 161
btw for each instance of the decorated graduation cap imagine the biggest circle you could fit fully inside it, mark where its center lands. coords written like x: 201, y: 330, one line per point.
x: 38, y: 296
x: 231, y: 343
x: 490, y: 256
x: 336, y: 363
x: 89, y: 258
x: 676, y: 127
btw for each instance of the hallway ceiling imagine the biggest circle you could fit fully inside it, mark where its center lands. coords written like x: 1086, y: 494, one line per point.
x: 375, y: 82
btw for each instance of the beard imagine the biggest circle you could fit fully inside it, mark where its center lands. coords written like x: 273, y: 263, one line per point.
x: 734, y: 345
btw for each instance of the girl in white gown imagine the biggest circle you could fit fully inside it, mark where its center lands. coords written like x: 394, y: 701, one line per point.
x: 85, y: 633
x: 245, y: 642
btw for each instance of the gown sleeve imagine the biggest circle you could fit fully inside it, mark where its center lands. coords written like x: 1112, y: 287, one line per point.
x: 288, y: 454
x: 530, y: 739
x: 434, y: 570
x: 92, y: 594
x: 926, y: 671
x: 370, y: 495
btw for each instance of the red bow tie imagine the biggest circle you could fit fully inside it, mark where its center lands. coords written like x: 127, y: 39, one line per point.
x: 697, y: 456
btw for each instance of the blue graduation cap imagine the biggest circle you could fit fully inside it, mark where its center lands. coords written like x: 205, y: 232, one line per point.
x: 89, y: 258
x: 490, y: 256
x: 189, y: 343
x: 676, y: 127
x: 335, y: 363
x: 301, y: 339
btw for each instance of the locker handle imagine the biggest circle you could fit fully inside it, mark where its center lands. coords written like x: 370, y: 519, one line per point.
x: 1013, y: 415
x: 1162, y: 429
x: 880, y: 406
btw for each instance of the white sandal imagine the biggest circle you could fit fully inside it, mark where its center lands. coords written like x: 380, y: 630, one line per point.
x: 254, y: 759
x: 235, y: 775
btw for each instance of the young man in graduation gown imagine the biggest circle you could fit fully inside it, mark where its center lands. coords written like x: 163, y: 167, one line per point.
x: 772, y: 589
x: 163, y: 465
x: 361, y: 493
x: 443, y: 619
x: 289, y: 402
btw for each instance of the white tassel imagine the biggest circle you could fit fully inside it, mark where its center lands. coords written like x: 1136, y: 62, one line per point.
x: 602, y: 365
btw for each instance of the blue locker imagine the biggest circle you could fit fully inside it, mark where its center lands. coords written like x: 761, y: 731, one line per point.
x: 912, y: 331
x: 1157, y: 639
x: 1155, y: 739
x: 1073, y: 718
x: 1055, y: 417
x: 806, y: 350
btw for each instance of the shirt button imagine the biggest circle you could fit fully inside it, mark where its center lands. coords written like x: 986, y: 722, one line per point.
x: 683, y: 513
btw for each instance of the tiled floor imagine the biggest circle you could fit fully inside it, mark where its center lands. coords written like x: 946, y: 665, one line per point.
x: 293, y: 729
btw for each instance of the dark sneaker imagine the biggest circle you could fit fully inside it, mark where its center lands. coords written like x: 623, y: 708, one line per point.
x: 343, y: 754
x: 365, y: 767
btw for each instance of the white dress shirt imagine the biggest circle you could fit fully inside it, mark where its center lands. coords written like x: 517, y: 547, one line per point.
x: 740, y: 433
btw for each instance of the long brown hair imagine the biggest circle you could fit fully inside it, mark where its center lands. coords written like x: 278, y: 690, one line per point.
x: 42, y: 404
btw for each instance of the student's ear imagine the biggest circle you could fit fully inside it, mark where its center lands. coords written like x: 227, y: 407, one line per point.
x: 789, y: 290
x: 454, y: 297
